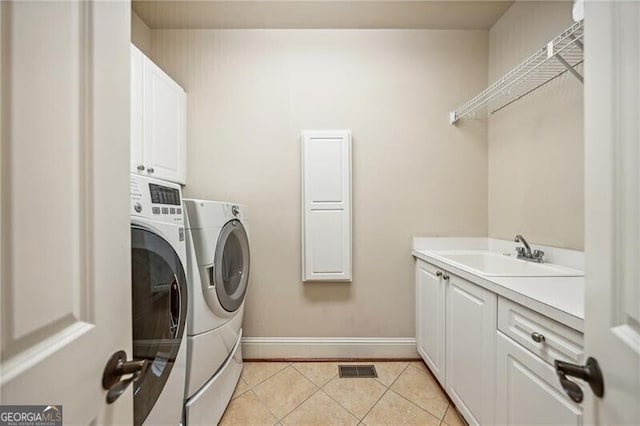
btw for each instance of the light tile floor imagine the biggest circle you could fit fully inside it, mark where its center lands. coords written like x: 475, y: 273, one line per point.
x: 311, y: 393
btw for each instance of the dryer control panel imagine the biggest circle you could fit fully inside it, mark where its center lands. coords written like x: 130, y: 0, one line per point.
x: 155, y: 199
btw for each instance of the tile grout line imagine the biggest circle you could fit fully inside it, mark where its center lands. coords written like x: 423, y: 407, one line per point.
x: 384, y: 393
x: 289, y: 364
x: 302, y: 402
x: 319, y: 388
x: 440, y: 387
x: 250, y: 387
x: 423, y: 409
x: 309, y: 378
x: 339, y: 403
x: 265, y: 406
x: 407, y: 399
x: 260, y: 399
x: 445, y: 415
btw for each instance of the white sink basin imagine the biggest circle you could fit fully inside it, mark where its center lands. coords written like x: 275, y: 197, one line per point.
x: 498, y: 265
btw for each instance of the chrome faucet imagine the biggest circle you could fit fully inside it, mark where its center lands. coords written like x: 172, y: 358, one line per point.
x: 525, y: 253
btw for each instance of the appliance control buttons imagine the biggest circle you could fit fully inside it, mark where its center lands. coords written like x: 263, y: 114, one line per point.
x: 172, y: 210
x: 165, y: 210
x: 235, y: 210
x: 179, y: 210
x: 155, y: 210
x: 137, y: 207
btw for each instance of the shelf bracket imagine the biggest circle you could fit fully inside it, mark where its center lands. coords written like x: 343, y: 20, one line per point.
x: 569, y: 68
x: 577, y: 42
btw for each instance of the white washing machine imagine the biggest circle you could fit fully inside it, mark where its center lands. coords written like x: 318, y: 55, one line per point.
x: 218, y: 273
x: 159, y: 300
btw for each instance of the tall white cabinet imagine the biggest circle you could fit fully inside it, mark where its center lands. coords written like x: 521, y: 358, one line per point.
x: 158, y: 122
x: 326, y: 185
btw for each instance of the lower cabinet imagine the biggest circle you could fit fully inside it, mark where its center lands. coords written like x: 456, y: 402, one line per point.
x: 471, y: 316
x: 482, y: 350
x: 528, y: 391
x: 430, y: 306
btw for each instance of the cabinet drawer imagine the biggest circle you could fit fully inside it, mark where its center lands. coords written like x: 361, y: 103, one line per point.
x: 520, y: 323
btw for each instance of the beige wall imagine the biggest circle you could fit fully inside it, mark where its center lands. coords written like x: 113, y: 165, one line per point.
x: 536, y: 150
x: 251, y: 92
x: 140, y: 34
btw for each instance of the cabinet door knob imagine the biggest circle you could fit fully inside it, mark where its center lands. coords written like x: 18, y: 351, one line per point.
x: 150, y: 170
x: 445, y: 276
x: 537, y: 337
x: 438, y: 273
x: 140, y: 167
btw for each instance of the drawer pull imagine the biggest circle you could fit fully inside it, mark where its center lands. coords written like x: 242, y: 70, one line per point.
x: 537, y: 337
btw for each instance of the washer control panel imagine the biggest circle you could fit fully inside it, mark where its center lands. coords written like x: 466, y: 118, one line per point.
x: 156, y: 199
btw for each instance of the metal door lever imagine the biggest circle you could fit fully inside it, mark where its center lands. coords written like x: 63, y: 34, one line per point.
x: 590, y: 373
x: 116, y: 367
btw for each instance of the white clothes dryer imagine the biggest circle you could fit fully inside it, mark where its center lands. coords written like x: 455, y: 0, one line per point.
x: 159, y: 300
x: 218, y: 263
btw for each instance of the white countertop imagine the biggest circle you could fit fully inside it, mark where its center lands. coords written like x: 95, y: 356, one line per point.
x: 559, y: 298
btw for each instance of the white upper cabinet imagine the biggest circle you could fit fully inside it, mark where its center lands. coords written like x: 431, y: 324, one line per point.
x: 158, y: 121
x: 326, y: 183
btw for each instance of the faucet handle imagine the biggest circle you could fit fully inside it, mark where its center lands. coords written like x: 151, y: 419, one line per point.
x: 538, y: 254
x: 520, y: 251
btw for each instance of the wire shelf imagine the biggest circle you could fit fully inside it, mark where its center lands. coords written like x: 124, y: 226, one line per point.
x: 561, y: 55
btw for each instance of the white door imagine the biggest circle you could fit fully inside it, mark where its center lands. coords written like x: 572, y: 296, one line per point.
x: 612, y: 213
x: 430, y: 307
x: 164, y: 116
x: 66, y: 296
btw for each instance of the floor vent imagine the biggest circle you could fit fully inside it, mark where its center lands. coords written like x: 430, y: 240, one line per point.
x: 357, y: 371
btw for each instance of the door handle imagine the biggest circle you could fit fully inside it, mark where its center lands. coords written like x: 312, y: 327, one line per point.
x: 116, y: 367
x: 590, y: 373
x: 175, y: 300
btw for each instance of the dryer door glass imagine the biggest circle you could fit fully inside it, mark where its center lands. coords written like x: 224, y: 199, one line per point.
x: 231, y: 265
x: 159, y: 305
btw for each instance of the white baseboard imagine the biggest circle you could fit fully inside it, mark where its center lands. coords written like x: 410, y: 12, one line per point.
x: 329, y: 347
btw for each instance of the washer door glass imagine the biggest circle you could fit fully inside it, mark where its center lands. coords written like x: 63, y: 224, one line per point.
x: 231, y: 265
x: 159, y: 305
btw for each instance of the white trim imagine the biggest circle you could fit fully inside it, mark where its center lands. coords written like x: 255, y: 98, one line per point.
x: 329, y: 347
